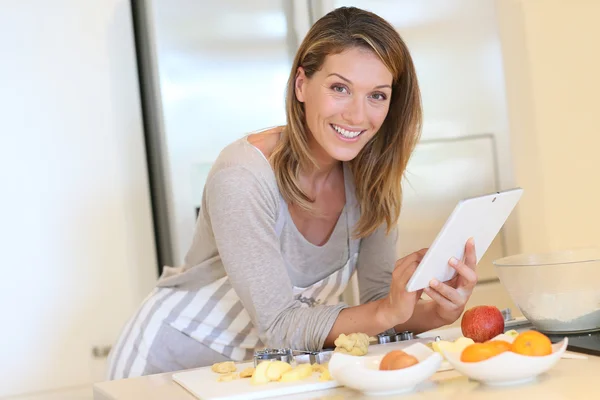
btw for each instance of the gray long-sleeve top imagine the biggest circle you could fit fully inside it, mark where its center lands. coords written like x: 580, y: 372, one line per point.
x: 235, y: 236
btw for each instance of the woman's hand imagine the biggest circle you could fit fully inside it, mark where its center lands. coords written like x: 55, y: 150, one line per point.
x: 399, y: 304
x: 452, y: 296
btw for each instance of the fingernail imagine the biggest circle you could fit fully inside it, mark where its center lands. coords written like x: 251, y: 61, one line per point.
x: 433, y: 283
x: 453, y: 261
x: 472, y: 240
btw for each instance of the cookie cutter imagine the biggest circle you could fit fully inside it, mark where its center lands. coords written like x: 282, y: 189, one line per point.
x: 292, y: 356
x: 383, y: 338
x: 285, y: 355
x: 312, y: 357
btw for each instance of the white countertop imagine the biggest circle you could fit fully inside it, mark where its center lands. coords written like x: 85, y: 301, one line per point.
x: 569, y: 379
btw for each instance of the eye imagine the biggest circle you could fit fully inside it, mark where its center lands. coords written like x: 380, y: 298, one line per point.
x: 339, y: 88
x: 379, y: 96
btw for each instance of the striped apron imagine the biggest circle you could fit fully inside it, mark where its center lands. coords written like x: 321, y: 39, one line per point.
x: 213, y: 315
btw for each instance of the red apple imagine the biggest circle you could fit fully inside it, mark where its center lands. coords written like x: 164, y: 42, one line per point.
x: 482, y: 323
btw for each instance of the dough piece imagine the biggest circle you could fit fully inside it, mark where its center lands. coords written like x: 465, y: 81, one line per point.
x: 247, y: 373
x: 227, y: 377
x: 224, y: 367
x: 356, y: 344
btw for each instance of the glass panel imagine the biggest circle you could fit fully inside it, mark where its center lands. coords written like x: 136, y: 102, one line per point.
x: 223, y: 68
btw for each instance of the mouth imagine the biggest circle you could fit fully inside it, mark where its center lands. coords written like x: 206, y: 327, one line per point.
x: 347, y: 134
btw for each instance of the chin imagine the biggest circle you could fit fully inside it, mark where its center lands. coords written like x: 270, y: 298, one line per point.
x: 344, y: 155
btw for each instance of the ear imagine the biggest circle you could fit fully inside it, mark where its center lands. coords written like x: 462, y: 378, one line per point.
x: 300, y: 84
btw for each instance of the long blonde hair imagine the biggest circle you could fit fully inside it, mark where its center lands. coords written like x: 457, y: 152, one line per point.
x: 380, y: 165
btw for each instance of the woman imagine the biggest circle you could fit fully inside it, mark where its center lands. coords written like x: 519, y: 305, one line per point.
x: 290, y: 213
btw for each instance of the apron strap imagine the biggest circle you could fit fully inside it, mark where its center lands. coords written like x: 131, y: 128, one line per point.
x: 353, y: 210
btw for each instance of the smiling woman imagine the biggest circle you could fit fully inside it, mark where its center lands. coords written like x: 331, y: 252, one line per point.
x: 349, y: 72
x: 289, y: 214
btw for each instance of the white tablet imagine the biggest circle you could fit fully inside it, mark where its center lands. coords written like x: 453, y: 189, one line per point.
x: 479, y: 217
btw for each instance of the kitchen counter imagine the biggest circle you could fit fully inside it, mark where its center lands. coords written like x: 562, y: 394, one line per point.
x: 569, y: 379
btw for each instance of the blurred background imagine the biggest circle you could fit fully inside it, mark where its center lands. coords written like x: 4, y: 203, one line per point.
x: 113, y: 112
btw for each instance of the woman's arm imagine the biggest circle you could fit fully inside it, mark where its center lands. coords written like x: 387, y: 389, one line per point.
x: 375, y: 268
x: 376, y: 263
x: 424, y: 319
x: 242, y: 211
x: 379, y: 315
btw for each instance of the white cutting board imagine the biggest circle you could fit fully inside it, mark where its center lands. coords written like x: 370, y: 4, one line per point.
x: 203, y: 384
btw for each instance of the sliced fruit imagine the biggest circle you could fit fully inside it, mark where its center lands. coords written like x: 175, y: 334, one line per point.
x: 302, y: 371
x: 462, y: 342
x: 260, y: 374
x: 319, y: 367
x: 325, y: 376
x: 276, y: 369
x: 512, y: 333
x: 441, y: 345
x: 456, y: 347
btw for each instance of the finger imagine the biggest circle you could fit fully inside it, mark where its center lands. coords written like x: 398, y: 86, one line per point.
x: 423, y: 251
x: 403, y: 272
x: 408, y: 260
x: 439, y: 299
x: 470, y: 255
x: 453, y: 282
x: 447, y: 291
x: 463, y: 270
x: 402, y: 276
x: 408, y: 272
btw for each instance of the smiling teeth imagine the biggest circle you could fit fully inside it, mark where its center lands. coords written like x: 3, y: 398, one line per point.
x: 345, y: 133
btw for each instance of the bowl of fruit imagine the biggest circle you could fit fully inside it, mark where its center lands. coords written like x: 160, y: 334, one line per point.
x: 398, y: 371
x: 507, y: 359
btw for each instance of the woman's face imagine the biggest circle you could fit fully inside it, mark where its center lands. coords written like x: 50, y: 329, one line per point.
x: 345, y: 102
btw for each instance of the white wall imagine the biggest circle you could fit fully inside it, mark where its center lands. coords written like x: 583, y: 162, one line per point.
x: 456, y: 49
x: 75, y: 223
x: 552, y: 62
x: 457, y: 52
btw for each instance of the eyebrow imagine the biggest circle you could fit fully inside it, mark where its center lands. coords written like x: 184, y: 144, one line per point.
x: 350, y: 82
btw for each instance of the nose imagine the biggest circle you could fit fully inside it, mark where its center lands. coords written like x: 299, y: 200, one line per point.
x: 355, y: 112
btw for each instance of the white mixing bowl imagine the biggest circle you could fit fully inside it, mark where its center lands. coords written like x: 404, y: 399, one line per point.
x: 558, y: 291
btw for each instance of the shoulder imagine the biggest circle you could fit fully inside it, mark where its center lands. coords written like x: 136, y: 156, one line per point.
x: 266, y: 140
x: 240, y: 154
x: 241, y: 170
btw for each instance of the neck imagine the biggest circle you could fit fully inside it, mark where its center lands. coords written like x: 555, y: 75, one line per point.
x: 314, y: 178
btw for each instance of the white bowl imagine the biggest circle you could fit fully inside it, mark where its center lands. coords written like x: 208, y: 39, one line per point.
x: 557, y: 292
x: 507, y: 368
x: 363, y: 374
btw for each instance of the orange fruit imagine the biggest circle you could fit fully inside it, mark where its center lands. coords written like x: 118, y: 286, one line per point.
x: 532, y: 343
x: 500, y: 345
x: 481, y: 351
x: 397, y: 359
